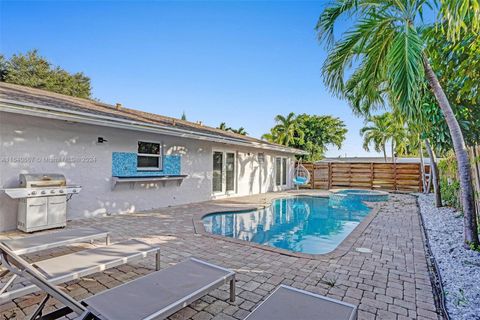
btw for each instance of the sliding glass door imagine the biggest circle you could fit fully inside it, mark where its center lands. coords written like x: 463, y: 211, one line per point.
x: 230, y: 172
x: 224, y: 172
x: 217, y: 172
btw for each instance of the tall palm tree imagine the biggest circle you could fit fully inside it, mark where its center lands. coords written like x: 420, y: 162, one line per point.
x: 377, y: 132
x: 287, y: 129
x: 391, y: 65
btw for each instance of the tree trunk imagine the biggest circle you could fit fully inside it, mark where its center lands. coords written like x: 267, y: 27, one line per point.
x: 384, y: 154
x: 465, y: 174
x: 422, y: 166
x: 393, y: 152
x: 434, y: 174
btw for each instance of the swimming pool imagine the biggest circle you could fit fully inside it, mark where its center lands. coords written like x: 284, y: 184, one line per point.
x: 303, y: 224
x: 362, y: 195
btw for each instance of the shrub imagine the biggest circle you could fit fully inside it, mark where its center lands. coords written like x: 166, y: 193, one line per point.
x: 449, y: 184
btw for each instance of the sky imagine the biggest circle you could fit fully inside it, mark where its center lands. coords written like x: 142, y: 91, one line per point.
x: 239, y: 62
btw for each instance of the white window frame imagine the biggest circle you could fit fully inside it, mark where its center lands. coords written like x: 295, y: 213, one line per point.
x: 159, y: 156
x: 224, y: 190
x: 282, y: 171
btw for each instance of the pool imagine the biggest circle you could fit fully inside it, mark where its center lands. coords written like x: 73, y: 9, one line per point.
x: 303, y: 224
x: 359, y: 195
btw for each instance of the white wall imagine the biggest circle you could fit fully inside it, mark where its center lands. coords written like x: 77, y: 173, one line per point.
x: 26, y: 141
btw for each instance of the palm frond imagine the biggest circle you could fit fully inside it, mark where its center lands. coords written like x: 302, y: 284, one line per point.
x: 405, y: 72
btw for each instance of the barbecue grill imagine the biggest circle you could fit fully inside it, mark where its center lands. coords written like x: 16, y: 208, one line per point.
x: 43, y: 201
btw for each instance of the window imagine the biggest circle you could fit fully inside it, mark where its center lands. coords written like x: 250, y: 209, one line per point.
x: 149, y: 156
x: 281, y: 171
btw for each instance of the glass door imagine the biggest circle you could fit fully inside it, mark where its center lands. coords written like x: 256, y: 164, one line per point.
x: 230, y: 172
x: 217, y: 172
x: 224, y: 172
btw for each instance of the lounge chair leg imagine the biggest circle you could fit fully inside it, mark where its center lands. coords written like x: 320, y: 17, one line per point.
x: 38, y: 312
x: 232, y: 290
x: 107, y: 240
x: 8, y: 283
x: 157, y: 260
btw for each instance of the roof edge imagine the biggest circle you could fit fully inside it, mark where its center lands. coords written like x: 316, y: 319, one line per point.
x: 43, y: 111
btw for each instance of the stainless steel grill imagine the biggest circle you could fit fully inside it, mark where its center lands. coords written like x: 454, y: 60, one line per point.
x: 42, y: 201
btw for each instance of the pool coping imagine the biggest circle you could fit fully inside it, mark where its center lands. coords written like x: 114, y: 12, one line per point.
x: 344, y: 246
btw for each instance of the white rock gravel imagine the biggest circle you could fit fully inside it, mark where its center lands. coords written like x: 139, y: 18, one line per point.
x: 459, y: 268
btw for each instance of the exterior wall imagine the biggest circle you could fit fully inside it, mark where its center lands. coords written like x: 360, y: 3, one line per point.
x: 38, y: 145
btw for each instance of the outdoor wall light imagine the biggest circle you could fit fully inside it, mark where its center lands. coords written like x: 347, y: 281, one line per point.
x: 101, y: 140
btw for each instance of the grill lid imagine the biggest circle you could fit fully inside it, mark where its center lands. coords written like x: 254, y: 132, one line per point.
x: 38, y: 180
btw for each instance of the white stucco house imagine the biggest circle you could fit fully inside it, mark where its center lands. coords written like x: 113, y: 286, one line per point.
x: 127, y: 160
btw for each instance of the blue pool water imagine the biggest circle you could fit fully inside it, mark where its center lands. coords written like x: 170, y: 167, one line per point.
x: 362, y: 195
x: 300, y: 224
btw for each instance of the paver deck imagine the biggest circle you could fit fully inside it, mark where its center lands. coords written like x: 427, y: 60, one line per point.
x: 390, y: 282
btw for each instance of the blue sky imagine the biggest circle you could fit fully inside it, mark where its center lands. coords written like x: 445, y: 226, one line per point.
x: 241, y: 62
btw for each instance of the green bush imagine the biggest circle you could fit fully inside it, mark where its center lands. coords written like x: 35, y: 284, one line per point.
x: 450, y: 192
x: 449, y: 184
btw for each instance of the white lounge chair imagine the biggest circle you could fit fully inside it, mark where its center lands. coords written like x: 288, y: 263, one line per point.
x: 154, y: 296
x: 76, y: 265
x: 57, y: 239
x: 287, y: 303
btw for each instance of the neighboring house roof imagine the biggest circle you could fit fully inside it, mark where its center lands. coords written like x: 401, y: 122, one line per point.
x: 375, y: 159
x: 36, y: 102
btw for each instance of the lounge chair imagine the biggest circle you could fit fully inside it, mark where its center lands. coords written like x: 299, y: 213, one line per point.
x: 287, y: 303
x: 57, y: 239
x: 154, y: 296
x: 76, y: 265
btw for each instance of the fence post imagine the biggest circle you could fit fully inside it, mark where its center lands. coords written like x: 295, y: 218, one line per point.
x: 394, y: 175
x: 371, y: 175
x: 420, y: 181
x: 312, y: 178
x: 329, y: 175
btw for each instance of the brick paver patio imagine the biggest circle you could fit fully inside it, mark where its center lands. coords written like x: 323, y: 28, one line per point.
x: 391, y: 282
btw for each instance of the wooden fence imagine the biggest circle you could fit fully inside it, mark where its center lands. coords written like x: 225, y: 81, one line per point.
x: 371, y: 175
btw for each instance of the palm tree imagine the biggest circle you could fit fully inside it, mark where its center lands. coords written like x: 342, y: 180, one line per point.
x: 223, y: 126
x: 461, y: 15
x: 377, y: 133
x: 272, y: 136
x: 287, y: 129
x: 391, y: 64
x: 240, y: 130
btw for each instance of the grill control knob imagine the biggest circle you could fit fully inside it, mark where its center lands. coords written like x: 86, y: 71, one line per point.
x: 61, y: 191
x: 74, y: 190
x: 43, y: 192
x: 52, y: 191
x: 34, y: 193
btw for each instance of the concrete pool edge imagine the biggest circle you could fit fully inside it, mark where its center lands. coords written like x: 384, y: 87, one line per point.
x: 339, y: 251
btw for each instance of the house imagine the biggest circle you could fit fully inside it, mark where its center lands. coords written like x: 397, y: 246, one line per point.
x: 128, y: 160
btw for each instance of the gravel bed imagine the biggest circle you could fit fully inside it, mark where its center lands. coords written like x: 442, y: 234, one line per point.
x: 459, y: 268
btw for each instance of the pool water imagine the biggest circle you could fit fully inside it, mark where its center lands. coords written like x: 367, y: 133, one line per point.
x: 362, y: 195
x: 299, y: 224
